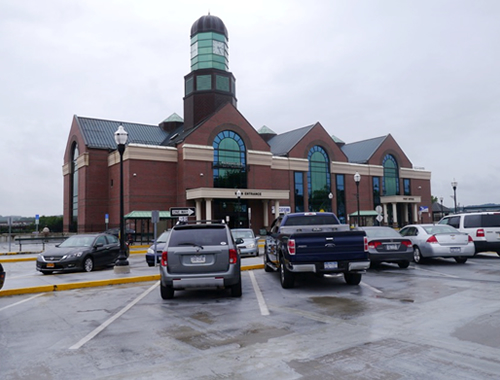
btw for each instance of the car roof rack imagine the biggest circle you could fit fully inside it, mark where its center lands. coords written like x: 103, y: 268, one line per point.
x: 204, y: 221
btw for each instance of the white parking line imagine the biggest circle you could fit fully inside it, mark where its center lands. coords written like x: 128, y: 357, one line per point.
x: 112, y: 319
x: 371, y: 287
x: 262, y: 303
x: 20, y: 302
x: 436, y: 272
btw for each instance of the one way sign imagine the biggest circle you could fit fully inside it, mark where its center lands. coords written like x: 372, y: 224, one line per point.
x: 182, y: 211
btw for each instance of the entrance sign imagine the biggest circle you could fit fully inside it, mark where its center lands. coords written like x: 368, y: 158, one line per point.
x: 182, y: 211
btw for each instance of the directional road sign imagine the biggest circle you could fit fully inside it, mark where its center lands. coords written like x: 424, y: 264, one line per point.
x: 182, y: 211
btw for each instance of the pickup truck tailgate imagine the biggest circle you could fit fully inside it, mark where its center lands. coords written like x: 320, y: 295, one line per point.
x: 329, y: 246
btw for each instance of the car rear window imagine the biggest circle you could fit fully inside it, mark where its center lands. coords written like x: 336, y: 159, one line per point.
x: 310, y: 220
x: 198, y: 236
x: 482, y: 220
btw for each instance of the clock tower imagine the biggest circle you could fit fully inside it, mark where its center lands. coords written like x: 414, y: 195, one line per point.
x: 209, y: 85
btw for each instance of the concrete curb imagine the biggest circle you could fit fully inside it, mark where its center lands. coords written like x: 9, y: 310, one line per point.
x: 93, y: 284
x: 19, y: 259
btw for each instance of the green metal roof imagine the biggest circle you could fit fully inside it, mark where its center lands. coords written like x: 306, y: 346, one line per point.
x: 364, y: 213
x: 146, y: 215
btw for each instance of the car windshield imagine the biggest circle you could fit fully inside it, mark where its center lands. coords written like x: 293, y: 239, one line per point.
x: 381, y: 232
x: 163, y: 237
x: 77, y: 241
x: 440, y: 229
x: 243, y: 234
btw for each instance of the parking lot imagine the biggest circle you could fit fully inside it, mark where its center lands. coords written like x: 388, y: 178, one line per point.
x: 435, y: 321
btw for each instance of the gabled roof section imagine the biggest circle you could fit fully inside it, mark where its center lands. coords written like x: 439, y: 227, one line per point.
x: 265, y: 129
x: 174, y: 118
x: 100, y: 134
x: 360, y: 152
x: 284, y: 143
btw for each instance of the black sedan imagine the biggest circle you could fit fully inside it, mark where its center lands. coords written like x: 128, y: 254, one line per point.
x: 80, y: 252
x: 386, y: 245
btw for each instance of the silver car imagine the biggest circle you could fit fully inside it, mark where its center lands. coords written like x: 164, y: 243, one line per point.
x: 249, y: 247
x: 385, y: 244
x: 438, y: 240
x: 200, y: 255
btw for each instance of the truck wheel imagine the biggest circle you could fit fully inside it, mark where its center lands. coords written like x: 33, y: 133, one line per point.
x: 286, y: 277
x: 167, y: 292
x: 352, y: 278
x: 461, y: 260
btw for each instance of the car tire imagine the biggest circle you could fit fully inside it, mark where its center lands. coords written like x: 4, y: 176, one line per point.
x: 352, y: 278
x: 151, y: 265
x: 236, y: 289
x: 461, y: 260
x: 286, y: 277
x: 47, y: 272
x: 88, y: 264
x: 166, y: 292
x: 417, y: 255
x: 404, y: 264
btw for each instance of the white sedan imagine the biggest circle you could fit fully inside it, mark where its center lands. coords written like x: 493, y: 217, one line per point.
x: 438, y: 240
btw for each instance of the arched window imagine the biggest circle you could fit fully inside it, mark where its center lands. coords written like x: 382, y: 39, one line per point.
x: 391, y: 175
x: 230, y: 170
x: 318, y: 180
x: 74, y: 189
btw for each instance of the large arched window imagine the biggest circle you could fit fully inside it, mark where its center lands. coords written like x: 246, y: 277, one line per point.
x: 318, y: 179
x: 74, y: 189
x: 391, y: 175
x: 230, y: 169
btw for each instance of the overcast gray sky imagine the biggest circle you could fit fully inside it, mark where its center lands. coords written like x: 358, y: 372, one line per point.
x: 425, y: 71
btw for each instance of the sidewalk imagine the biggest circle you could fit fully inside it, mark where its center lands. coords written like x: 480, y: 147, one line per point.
x: 23, y: 278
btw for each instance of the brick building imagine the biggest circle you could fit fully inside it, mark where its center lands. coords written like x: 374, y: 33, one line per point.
x: 203, y: 159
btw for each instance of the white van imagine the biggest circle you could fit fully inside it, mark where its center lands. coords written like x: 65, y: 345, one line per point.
x: 483, y: 228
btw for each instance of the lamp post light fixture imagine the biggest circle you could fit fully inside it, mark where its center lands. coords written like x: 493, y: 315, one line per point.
x: 238, y: 223
x: 357, y: 178
x: 121, y: 265
x: 454, y: 186
x: 330, y: 197
x: 442, y: 210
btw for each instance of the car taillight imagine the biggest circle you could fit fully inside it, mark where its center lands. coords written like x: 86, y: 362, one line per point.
x: 432, y: 240
x: 407, y: 243
x: 365, y: 240
x: 291, y: 246
x: 480, y: 233
x: 471, y: 240
x: 164, y: 258
x: 233, y: 256
x: 374, y: 244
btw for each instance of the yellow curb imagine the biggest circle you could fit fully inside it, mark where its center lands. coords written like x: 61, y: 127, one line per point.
x: 93, y: 284
x: 17, y: 259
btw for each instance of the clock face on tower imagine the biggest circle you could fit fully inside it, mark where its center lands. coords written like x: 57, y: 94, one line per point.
x: 218, y: 48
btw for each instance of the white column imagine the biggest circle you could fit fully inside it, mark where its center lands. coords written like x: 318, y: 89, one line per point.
x: 406, y: 219
x: 208, y: 209
x: 394, y: 214
x: 276, y: 208
x: 266, y: 212
x: 384, y: 205
x: 415, y: 213
x: 198, y: 209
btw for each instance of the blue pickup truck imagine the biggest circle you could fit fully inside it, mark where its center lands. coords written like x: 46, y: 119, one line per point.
x: 315, y: 242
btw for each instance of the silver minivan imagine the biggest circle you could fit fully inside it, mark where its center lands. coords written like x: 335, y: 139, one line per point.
x: 483, y: 228
x: 200, y: 255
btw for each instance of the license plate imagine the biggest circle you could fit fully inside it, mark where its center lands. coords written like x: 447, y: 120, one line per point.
x: 455, y: 249
x: 200, y: 259
x: 331, y: 265
x: 391, y: 247
x: 50, y: 265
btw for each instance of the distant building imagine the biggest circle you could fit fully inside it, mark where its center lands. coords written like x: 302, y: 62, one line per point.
x: 204, y: 158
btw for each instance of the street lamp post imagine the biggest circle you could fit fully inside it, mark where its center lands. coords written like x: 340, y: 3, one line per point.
x: 238, y: 223
x: 121, y: 265
x: 357, y: 178
x: 454, y: 185
x: 442, y: 212
x: 330, y: 197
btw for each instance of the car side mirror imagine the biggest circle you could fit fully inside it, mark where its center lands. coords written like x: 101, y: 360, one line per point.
x: 99, y: 245
x: 239, y: 241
